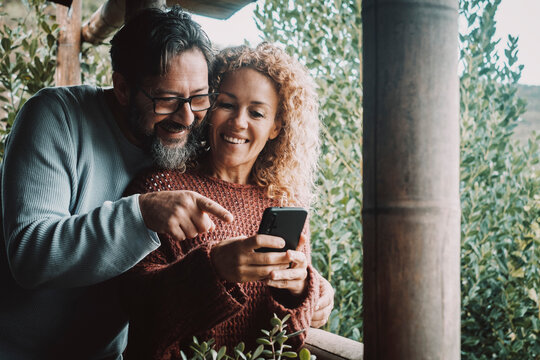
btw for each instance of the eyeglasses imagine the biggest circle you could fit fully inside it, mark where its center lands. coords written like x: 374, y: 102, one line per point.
x: 171, y: 104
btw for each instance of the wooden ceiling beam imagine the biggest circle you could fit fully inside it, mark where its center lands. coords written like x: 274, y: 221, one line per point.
x: 111, y: 14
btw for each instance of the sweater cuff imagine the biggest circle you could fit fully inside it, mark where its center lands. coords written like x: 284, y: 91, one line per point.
x: 232, y: 291
x: 141, y: 226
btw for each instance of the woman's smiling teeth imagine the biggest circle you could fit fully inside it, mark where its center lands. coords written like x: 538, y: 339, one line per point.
x: 233, y: 140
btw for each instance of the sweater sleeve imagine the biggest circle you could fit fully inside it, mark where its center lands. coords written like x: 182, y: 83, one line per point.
x: 168, y: 302
x: 47, y: 243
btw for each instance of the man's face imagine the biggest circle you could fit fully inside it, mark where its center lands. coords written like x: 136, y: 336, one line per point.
x: 169, y: 137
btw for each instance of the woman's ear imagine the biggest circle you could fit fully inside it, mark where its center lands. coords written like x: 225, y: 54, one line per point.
x: 275, y: 131
x: 121, y: 88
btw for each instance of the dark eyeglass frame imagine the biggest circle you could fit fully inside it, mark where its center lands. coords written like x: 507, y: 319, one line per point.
x: 182, y: 100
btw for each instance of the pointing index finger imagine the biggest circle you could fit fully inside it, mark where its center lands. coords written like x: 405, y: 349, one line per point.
x: 212, y: 207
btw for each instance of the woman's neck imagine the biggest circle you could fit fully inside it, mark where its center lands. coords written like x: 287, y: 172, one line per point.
x: 232, y: 175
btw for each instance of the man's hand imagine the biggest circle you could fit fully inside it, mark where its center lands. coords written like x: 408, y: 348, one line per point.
x: 324, y: 305
x: 181, y: 214
x: 236, y: 260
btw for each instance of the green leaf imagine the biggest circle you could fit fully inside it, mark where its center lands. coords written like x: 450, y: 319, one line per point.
x: 289, y: 354
x: 304, y: 354
x: 275, y: 321
x: 263, y: 341
x: 258, y: 351
x: 240, y: 354
x: 222, y: 351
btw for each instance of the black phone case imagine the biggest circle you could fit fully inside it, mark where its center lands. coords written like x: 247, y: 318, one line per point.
x: 285, y: 222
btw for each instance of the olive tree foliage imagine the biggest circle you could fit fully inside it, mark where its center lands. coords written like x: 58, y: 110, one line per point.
x: 325, y: 36
x: 28, y: 49
x: 500, y: 198
x: 27, y: 58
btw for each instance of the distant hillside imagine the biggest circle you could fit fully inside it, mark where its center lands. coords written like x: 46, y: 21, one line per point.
x: 531, y: 118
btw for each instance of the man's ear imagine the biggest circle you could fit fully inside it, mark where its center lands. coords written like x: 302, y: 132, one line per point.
x: 121, y: 88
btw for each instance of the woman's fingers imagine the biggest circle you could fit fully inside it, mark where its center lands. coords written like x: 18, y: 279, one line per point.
x: 271, y: 258
x: 290, y: 274
x: 325, y: 304
x: 298, y: 259
x: 296, y: 286
x: 235, y: 259
x: 265, y: 241
x: 293, y: 278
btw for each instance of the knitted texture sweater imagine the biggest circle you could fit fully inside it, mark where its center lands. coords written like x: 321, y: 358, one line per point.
x: 175, y: 294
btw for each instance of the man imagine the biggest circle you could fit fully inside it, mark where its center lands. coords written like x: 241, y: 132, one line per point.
x: 70, y: 155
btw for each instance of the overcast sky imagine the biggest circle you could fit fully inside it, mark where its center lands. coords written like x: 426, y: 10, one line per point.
x: 517, y: 17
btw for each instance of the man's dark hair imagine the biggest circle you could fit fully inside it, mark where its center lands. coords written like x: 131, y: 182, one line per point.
x: 145, y: 44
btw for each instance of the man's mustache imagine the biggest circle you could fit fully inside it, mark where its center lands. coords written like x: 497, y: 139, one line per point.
x: 171, y: 125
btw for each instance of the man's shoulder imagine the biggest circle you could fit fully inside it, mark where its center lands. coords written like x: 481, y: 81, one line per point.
x: 54, y: 108
x: 68, y: 94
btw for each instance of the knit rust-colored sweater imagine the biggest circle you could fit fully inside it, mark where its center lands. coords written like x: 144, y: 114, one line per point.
x: 174, y: 293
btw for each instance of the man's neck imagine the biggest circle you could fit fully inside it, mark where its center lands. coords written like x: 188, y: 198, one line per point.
x: 120, y: 116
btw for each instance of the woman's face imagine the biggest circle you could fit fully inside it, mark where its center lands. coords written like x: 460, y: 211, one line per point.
x: 243, y: 120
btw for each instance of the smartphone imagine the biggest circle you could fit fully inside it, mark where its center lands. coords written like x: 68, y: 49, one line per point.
x: 285, y: 222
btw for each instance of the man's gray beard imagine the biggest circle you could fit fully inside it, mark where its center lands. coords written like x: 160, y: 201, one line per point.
x: 166, y: 156
x: 173, y: 157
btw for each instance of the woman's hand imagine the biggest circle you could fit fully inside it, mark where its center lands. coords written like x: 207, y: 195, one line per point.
x: 292, y: 278
x: 324, y: 305
x: 236, y: 260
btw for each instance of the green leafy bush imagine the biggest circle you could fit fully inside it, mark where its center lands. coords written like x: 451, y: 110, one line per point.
x: 27, y: 58
x: 500, y: 200
x: 272, y: 346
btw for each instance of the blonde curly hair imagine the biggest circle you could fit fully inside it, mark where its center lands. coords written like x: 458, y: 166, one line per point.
x: 286, y: 166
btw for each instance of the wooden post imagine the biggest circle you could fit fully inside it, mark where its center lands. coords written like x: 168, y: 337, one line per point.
x: 68, y: 67
x: 411, y: 212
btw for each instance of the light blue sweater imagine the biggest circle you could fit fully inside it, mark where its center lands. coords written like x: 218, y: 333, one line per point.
x: 66, y: 228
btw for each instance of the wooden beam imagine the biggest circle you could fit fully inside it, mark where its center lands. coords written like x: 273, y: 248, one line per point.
x: 110, y: 15
x: 222, y: 9
x: 327, y: 346
x: 132, y: 6
x: 107, y: 19
x: 68, y: 67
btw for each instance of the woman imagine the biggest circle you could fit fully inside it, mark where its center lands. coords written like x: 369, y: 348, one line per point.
x: 263, y: 146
